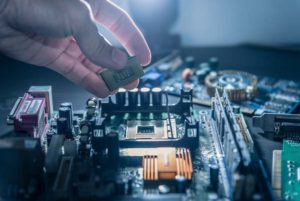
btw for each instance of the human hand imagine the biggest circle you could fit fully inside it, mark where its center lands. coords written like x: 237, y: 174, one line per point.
x: 62, y: 35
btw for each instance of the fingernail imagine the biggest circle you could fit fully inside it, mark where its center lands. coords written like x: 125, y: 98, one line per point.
x: 119, y: 57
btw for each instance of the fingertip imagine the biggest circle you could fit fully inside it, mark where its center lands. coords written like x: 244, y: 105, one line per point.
x: 145, y: 58
x: 141, y: 50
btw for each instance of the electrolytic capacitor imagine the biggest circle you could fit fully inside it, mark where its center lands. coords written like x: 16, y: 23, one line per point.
x: 62, y: 126
x: 156, y: 96
x: 133, y: 97
x: 145, y: 96
x: 214, y: 176
x: 65, y: 112
x: 204, y: 65
x: 181, y: 184
x: 129, y: 184
x: 190, y: 61
x: 112, y: 143
x: 121, y: 96
x: 91, y: 102
x: 120, y: 185
x: 68, y: 105
x: 213, y: 63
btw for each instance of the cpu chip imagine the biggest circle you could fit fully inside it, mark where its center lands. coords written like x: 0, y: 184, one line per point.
x: 115, y: 79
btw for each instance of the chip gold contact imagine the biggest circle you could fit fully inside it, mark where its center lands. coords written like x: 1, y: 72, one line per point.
x: 115, y: 79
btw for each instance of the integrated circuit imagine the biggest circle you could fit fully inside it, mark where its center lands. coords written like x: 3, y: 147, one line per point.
x: 115, y: 79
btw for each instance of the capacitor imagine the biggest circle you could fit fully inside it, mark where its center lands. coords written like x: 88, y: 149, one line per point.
x: 133, y: 97
x: 121, y: 96
x: 187, y: 74
x: 204, y: 65
x: 85, y: 129
x: 91, y: 107
x: 213, y: 63
x: 181, y: 183
x: 112, y: 142
x: 156, y: 96
x: 120, y: 184
x: 145, y: 96
x: 129, y: 185
x: 91, y: 102
x: 49, y: 135
x: 65, y: 112
x: 214, y: 176
x: 62, y: 126
x: 190, y: 61
x: 90, y: 111
x: 202, y: 72
x: 68, y: 105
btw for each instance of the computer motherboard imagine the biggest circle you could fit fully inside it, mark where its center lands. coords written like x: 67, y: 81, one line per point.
x: 255, y: 95
x: 133, y: 146
x: 146, y: 144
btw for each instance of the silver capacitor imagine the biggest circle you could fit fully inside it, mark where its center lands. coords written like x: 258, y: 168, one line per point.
x: 133, y: 97
x: 157, y: 96
x: 121, y: 96
x: 145, y: 96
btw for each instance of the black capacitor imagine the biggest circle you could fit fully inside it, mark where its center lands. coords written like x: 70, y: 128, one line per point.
x: 121, y: 96
x: 120, y: 185
x: 130, y: 183
x: 145, y: 96
x: 65, y: 112
x: 204, y: 65
x: 133, y: 97
x: 49, y: 135
x: 157, y: 96
x: 112, y: 142
x: 91, y: 107
x: 181, y: 184
x: 190, y: 61
x: 213, y: 63
x: 68, y: 105
x: 214, y: 176
x: 62, y: 126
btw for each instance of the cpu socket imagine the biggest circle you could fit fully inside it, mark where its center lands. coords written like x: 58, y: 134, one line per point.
x: 151, y: 129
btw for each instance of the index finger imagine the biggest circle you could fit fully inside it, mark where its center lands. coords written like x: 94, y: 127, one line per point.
x: 123, y: 27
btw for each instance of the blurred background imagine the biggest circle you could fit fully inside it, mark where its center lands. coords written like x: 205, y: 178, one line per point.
x: 215, y: 23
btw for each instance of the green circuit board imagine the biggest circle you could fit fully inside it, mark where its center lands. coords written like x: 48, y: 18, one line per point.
x: 290, y: 168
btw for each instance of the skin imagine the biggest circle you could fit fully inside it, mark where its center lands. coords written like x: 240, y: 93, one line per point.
x: 62, y: 35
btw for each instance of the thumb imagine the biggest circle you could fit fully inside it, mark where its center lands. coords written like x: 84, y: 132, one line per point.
x: 95, y: 47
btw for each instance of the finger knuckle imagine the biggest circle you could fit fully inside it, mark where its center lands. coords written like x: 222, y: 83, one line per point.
x: 121, y: 20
